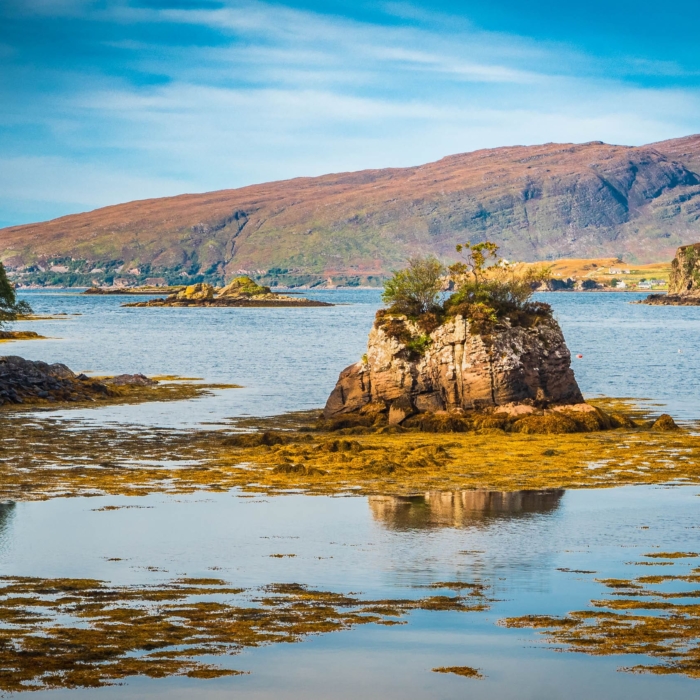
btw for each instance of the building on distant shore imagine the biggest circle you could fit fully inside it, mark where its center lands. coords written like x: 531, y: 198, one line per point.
x: 156, y: 282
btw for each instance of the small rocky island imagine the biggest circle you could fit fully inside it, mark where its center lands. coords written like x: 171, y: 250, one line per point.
x: 684, y: 281
x: 486, y: 357
x: 242, y: 291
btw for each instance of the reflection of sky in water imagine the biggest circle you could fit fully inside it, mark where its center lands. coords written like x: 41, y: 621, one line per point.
x: 381, y: 546
x: 514, y: 542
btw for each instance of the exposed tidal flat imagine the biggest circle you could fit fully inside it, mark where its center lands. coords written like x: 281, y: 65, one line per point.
x: 544, y: 551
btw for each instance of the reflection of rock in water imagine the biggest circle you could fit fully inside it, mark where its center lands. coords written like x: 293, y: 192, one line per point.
x: 7, y: 511
x: 461, y: 508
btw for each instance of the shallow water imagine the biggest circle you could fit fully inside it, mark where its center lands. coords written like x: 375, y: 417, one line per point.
x: 288, y: 359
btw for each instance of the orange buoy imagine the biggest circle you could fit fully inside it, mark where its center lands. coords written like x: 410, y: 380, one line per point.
x: 580, y: 357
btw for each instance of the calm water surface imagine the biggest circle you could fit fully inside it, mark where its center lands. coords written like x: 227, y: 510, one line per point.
x: 289, y: 359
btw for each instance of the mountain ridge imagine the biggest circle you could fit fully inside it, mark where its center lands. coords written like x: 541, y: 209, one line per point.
x: 537, y: 202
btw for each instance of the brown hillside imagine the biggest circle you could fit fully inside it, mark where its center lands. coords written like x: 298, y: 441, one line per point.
x: 537, y: 202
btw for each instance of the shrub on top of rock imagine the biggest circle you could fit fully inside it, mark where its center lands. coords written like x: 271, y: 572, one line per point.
x: 486, y: 345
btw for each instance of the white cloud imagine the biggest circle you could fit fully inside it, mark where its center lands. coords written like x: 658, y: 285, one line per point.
x: 284, y: 93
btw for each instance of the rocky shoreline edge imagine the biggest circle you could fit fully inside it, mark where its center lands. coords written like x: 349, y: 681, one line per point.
x: 20, y: 335
x: 29, y: 383
x: 670, y: 300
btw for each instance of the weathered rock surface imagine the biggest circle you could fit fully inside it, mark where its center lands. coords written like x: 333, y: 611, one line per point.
x: 27, y: 381
x: 130, y: 380
x: 460, y: 371
x: 684, y: 281
x: 22, y: 380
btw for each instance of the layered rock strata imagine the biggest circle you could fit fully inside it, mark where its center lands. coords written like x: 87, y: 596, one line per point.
x: 517, y: 369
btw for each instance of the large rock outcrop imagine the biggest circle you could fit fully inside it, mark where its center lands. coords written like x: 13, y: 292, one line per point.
x: 459, y: 369
x: 684, y: 280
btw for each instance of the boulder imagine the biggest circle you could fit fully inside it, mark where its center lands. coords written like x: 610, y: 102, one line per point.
x: 32, y: 382
x: 196, y: 292
x: 664, y: 423
x: 242, y: 287
x: 459, y: 369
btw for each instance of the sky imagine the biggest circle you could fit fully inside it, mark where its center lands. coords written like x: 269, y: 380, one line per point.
x: 107, y: 101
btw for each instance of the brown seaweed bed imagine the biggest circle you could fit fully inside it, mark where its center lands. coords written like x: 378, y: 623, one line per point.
x: 69, y: 633
x: 643, y: 616
x: 44, y: 456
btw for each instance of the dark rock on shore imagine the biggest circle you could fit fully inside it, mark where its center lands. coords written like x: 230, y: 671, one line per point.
x: 670, y: 300
x: 27, y: 382
x: 130, y: 380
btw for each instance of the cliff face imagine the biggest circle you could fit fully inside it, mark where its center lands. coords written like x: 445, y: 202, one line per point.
x: 684, y: 280
x: 535, y: 202
x: 459, y: 370
x: 685, y: 272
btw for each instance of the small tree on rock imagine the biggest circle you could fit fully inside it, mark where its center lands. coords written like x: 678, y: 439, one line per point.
x: 489, y: 288
x: 10, y: 308
x: 415, y: 290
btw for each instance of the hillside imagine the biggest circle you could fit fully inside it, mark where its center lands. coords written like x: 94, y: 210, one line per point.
x: 537, y: 202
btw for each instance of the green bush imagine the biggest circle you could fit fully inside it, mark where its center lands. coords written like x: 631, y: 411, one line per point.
x: 10, y: 308
x: 488, y: 290
x: 415, y: 290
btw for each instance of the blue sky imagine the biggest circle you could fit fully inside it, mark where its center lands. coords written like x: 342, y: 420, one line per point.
x: 105, y: 101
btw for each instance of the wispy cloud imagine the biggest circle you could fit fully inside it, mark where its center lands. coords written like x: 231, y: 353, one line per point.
x: 151, y: 101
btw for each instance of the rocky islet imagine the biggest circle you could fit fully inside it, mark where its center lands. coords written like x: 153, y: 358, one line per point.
x: 241, y: 291
x: 516, y: 375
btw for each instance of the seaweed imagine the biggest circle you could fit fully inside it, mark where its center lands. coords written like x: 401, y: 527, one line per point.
x: 639, y: 619
x: 70, y: 633
x: 44, y: 457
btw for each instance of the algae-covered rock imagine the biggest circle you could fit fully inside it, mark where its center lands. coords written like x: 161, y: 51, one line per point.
x: 664, y: 422
x: 243, y: 287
